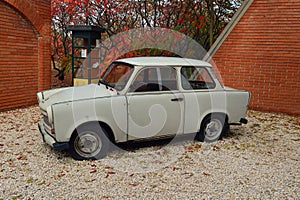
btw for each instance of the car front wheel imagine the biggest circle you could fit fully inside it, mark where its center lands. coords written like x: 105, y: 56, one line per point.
x: 89, y: 142
x: 213, y: 128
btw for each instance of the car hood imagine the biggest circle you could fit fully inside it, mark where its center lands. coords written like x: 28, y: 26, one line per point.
x: 67, y: 94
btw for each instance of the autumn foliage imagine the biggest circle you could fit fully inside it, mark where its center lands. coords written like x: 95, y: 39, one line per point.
x: 201, y: 20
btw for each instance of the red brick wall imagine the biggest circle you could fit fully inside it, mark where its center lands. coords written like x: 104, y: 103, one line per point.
x: 262, y: 55
x: 24, y: 51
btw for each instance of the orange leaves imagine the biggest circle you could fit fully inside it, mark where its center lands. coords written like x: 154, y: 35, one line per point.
x: 193, y: 148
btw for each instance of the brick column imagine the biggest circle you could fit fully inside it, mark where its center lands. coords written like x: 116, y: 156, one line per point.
x: 44, y: 63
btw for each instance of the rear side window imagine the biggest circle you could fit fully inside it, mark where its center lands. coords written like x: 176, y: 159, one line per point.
x: 195, y: 78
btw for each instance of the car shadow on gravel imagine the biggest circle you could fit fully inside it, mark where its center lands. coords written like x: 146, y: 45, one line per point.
x: 133, y: 146
x: 235, y: 132
x: 158, y: 143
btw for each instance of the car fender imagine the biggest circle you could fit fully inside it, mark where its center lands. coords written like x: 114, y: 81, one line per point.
x: 74, y: 114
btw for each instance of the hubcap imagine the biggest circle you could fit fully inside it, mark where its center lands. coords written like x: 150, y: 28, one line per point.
x: 88, y: 144
x: 213, y: 129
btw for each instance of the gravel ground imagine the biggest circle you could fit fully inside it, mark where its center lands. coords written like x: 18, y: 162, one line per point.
x: 259, y: 160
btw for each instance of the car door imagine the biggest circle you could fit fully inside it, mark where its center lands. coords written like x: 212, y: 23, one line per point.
x: 155, y: 105
x: 199, y: 94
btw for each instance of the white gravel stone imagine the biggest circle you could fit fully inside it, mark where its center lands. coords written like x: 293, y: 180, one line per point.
x: 259, y: 160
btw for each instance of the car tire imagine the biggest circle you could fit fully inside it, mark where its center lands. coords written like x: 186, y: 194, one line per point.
x: 89, y: 142
x: 213, y: 127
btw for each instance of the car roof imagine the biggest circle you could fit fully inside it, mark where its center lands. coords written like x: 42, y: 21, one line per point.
x: 163, y: 61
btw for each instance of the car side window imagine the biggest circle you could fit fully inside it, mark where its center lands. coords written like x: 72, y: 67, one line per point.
x: 153, y: 79
x: 193, y: 78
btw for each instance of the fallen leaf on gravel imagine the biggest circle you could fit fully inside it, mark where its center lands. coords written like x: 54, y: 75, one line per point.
x: 30, y: 180
x: 133, y: 184
x: 93, y: 170
x: 109, y: 173
x: 41, y: 183
x: 91, y: 180
x: 108, y: 167
x: 18, y: 196
x: 216, y: 148
x: 22, y: 157
x: 227, y: 146
x: 176, y: 168
x: 157, y: 161
x: 296, y: 139
x: 206, y: 174
x: 61, y: 175
x: 193, y: 148
x: 189, y: 174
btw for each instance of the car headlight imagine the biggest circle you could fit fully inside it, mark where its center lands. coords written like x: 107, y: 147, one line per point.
x: 50, y: 114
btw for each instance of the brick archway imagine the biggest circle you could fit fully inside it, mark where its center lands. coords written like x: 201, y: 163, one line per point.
x: 25, y: 62
x: 30, y: 12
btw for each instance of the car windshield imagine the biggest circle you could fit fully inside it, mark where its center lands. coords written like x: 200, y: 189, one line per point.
x: 117, y: 75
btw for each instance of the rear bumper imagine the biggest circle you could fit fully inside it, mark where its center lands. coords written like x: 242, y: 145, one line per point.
x: 242, y: 121
x: 48, y: 139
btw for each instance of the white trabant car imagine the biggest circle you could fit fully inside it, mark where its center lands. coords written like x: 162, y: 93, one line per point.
x: 140, y: 98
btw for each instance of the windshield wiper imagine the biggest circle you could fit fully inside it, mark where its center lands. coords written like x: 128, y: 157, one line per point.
x: 104, y: 83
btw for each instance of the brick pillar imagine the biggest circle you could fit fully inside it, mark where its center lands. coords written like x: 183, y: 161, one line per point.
x: 44, y: 63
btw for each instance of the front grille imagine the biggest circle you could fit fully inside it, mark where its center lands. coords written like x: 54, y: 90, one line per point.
x: 47, y: 125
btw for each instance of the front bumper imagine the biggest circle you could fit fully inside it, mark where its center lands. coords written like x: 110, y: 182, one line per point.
x: 48, y: 139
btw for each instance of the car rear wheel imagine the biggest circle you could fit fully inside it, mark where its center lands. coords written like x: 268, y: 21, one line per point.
x: 89, y: 142
x: 213, y: 128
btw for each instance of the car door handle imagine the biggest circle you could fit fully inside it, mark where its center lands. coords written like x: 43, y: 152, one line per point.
x: 177, y: 99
